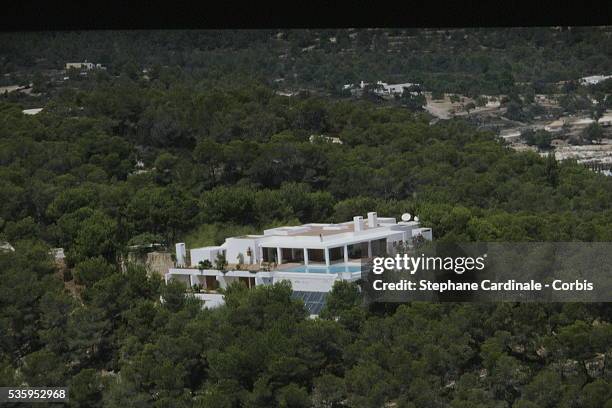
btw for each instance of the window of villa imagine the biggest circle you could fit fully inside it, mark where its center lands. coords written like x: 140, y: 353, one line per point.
x: 316, y: 255
x: 336, y: 254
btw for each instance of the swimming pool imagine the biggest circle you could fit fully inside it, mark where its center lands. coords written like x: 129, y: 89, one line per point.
x: 322, y: 269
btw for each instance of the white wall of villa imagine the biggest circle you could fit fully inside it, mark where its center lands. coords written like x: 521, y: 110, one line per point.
x: 211, y: 279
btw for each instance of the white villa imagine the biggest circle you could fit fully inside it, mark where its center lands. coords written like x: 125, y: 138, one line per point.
x: 311, y: 256
x: 593, y: 79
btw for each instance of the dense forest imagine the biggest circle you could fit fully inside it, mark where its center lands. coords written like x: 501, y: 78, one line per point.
x: 469, y: 61
x: 203, y: 148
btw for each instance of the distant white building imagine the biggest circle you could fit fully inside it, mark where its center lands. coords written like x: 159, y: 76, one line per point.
x: 395, y: 89
x: 311, y: 256
x: 32, y: 111
x: 493, y: 103
x: 593, y: 79
x: 6, y: 247
x: 606, y: 119
x: 57, y: 254
x: 383, y: 88
x: 83, y: 65
x: 329, y: 139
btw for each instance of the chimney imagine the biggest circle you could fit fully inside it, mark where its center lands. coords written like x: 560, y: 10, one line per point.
x: 372, y: 220
x: 180, y: 254
x: 357, y: 220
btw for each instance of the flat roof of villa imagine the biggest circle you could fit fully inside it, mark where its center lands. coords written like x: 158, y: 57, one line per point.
x: 328, y: 229
x: 320, y: 229
x: 303, y: 242
x: 344, y: 237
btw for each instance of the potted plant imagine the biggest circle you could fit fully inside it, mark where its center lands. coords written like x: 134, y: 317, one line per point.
x: 221, y: 262
x: 205, y: 264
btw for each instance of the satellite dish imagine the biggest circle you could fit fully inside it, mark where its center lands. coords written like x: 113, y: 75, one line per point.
x: 416, y: 219
x: 406, y: 217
